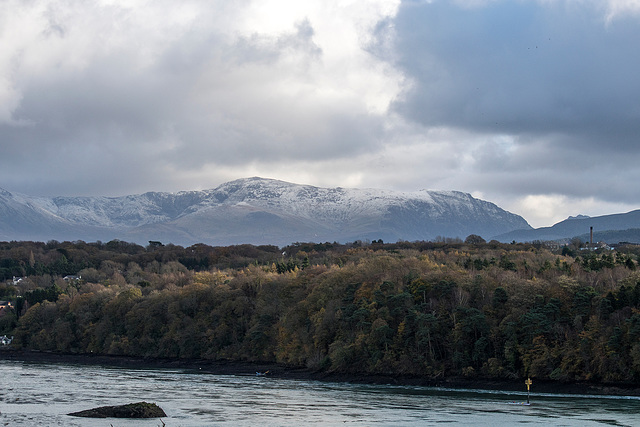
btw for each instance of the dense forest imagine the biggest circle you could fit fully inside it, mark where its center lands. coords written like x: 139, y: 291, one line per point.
x: 432, y: 309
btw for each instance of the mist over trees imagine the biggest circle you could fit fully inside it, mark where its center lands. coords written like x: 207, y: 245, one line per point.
x: 434, y: 309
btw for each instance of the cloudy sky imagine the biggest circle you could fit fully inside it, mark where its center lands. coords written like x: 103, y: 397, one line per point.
x: 531, y: 104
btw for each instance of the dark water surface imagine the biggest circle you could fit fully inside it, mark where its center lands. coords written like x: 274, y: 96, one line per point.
x: 34, y: 394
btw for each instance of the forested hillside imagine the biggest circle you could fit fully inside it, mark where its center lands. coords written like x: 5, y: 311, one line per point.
x: 432, y: 309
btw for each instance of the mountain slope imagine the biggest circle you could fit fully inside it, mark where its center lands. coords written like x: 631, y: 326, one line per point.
x: 255, y: 210
x: 22, y: 217
x: 579, y: 226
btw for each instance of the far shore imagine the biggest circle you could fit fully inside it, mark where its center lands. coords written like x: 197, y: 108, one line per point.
x: 230, y: 367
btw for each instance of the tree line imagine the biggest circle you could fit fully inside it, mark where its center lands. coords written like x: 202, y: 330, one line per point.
x: 433, y: 309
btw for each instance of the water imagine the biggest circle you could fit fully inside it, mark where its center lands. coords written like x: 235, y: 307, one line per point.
x: 35, y: 394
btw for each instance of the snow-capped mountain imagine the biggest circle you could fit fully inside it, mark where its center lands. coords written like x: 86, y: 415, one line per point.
x: 255, y: 210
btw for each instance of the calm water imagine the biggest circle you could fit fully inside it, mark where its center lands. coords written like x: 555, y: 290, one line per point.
x: 42, y: 394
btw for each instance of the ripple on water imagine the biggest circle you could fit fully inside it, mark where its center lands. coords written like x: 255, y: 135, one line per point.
x: 41, y: 394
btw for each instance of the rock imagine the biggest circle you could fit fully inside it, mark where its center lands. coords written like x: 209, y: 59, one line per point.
x: 131, y: 410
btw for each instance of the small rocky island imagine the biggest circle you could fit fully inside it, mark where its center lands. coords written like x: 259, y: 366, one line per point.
x: 131, y: 410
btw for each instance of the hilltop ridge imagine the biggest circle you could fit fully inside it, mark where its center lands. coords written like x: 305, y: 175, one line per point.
x: 255, y: 210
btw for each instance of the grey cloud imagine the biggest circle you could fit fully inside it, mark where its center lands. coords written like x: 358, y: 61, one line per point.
x: 554, y: 166
x: 258, y: 48
x: 542, y: 95
x: 506, y: 98
x: 521, y: 68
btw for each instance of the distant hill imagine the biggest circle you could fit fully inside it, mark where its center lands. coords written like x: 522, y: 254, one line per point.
x: 608, y: 228
x: 255, y: 210
x: 631, y: 235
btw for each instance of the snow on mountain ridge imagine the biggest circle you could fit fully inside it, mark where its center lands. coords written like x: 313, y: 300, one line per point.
x: 314, y: 203
x: 260, y: 211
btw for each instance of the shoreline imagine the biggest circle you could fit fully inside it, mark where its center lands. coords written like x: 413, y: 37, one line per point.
x: 227, y: 367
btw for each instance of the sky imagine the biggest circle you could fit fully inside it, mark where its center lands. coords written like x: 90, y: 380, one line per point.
x: 530, y: 104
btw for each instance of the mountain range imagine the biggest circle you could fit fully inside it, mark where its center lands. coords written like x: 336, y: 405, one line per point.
x: 266, y: 211
x: 615, y: 228
x: 258, y: 211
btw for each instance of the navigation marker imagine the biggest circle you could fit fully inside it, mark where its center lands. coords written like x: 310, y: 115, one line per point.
x: 528, y: 382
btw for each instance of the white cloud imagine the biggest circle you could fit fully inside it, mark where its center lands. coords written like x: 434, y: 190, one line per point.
x: 341, y: 30
x: 617, y: 9
x: 188, y: 85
